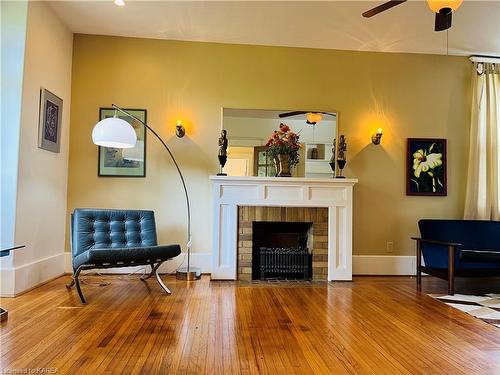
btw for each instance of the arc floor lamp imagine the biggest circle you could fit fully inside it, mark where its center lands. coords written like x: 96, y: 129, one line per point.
x: 118, y: 133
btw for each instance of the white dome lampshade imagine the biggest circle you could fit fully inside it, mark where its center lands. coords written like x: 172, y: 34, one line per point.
x: 114, y: 132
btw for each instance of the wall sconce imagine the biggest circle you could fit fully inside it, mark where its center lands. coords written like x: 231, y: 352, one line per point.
x: 180, y: 131
x: 377, y: 137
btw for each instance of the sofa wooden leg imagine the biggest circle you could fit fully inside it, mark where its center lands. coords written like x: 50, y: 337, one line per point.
x: 419, y: 267
x: 451, y: 270
x: 451, y: 287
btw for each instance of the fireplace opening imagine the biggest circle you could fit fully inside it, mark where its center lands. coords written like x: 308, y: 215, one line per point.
x: 281, y: 250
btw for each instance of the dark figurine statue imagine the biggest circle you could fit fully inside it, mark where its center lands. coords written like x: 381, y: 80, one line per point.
x: 341, y: 155
x: 223, y: 143
x: 222, y: 151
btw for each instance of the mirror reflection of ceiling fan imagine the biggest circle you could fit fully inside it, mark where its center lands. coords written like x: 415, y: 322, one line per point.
x: 442, y: 8
x: 312, y: 118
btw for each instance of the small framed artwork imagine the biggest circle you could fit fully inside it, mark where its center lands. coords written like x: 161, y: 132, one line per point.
x: 426, y: 167
x: 49, y: 126
x: 124, y: 162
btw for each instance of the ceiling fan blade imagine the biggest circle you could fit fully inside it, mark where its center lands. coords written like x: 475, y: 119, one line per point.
x: 295, y: 113
x: 443, y: 21
x: 381, y: 8
x: 327, y: 113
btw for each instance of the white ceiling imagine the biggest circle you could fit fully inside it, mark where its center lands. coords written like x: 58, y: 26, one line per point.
x: 329, y: 24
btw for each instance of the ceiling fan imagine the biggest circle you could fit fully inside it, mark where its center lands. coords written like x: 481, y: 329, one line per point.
x: 312, y: 118
x: 442, y: 8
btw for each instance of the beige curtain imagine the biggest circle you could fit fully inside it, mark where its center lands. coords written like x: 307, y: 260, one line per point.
x: 483, y: 187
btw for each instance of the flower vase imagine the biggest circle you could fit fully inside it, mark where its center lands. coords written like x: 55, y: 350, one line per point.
x: 276, y: 166
x: 284, y: 165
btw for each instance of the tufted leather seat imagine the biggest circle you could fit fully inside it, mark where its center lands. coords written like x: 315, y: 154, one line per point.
x: 126, y: 255
x: 103, y: 238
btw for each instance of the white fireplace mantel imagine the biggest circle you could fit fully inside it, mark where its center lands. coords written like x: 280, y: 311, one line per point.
x: 229, y: 192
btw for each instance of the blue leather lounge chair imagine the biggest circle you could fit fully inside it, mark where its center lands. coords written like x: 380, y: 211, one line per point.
x: 116, y: 238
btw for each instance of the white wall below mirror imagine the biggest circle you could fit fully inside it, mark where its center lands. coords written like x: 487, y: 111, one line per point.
x: 249, y: 129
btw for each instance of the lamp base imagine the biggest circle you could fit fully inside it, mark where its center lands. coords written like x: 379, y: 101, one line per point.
x: 193, y: 273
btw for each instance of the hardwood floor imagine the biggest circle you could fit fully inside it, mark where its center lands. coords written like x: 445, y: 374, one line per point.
x: 370, y: 326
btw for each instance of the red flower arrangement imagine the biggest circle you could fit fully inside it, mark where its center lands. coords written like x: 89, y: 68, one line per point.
x: 284, y: 141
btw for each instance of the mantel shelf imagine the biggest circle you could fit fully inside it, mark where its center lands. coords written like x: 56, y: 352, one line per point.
x: 305, y: 180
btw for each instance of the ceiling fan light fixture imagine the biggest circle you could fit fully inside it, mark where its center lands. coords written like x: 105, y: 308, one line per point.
x: 313, y: 118
x: 437, y: 5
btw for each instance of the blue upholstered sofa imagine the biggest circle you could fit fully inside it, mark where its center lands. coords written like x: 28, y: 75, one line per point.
x: 453, y: 248
x: 116, y: 238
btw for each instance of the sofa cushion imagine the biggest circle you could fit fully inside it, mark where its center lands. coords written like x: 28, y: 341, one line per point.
x: 480, y: 256
x: 144, y: 255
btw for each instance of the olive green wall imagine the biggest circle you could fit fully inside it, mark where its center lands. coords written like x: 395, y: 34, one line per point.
x: 408, y: 95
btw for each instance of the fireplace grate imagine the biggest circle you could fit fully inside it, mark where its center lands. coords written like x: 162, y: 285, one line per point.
x: 290, y: 263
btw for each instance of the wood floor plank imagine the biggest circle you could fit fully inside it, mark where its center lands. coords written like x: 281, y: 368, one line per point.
x: 374, y: 325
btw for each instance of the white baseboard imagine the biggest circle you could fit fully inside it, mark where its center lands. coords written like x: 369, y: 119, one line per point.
x: 383, y: 265
x: 361, y: 264
x: 200, y: 260
x: 16, y: 280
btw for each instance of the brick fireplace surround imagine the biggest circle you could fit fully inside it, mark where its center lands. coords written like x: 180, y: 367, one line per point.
x: 318, y: 216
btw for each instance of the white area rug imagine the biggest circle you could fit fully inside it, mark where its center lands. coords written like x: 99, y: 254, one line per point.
x: 486, y: 307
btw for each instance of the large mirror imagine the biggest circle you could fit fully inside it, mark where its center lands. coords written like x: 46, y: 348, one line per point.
x: 248, y: 131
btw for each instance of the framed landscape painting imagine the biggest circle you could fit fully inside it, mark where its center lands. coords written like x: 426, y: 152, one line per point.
x: 426, y: 167
x: 124, y: 162
x: 49, y: 127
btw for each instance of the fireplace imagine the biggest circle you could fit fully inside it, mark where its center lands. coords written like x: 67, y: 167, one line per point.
x: 285, y: 237
x: 281, y: 250
x: 239, y: 201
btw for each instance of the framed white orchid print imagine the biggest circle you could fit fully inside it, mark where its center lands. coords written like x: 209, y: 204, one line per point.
x: 426, y: 167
